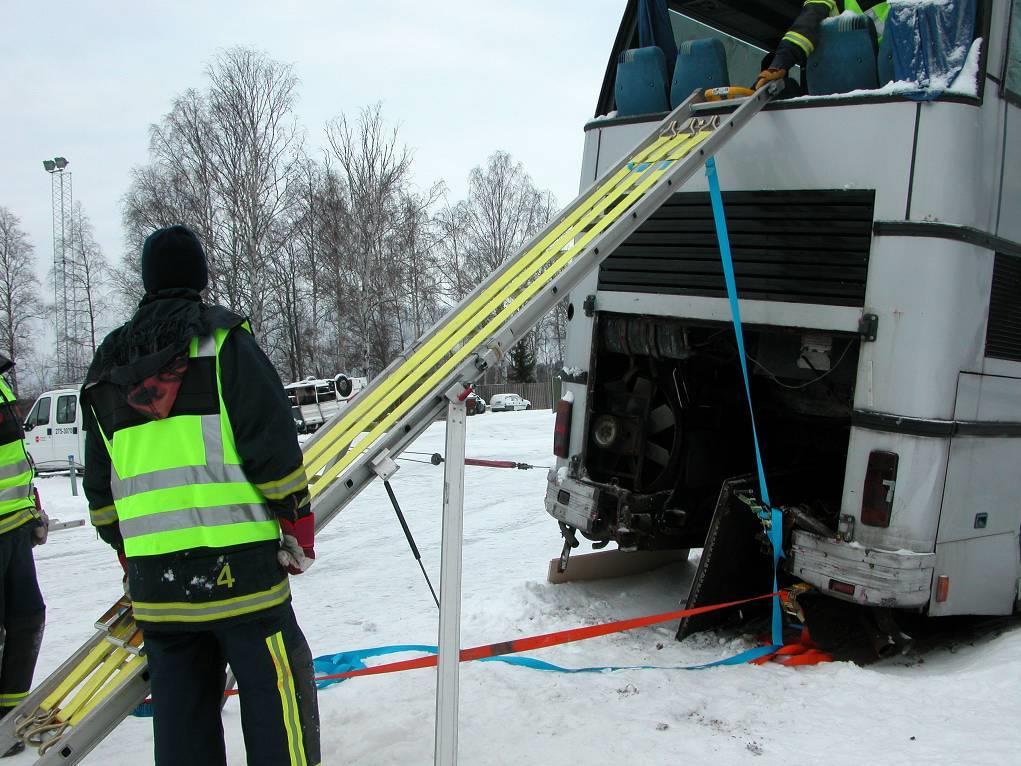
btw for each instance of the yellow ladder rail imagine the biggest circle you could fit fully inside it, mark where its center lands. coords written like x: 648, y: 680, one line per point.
x: 651, y: 175
x: 553, y: 240
x: 425, y: 358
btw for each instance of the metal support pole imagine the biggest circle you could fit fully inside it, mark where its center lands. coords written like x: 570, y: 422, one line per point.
x: 450, y: 587
x: 74, y: 476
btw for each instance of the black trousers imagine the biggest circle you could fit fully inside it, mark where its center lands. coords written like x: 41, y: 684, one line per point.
x: 22, y: 616
x: 273, y: 666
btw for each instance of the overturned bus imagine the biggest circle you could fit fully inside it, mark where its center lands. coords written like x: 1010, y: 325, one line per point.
x: 876, y: 240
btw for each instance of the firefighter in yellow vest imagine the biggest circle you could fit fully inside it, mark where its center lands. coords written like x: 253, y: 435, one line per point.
x: 194, y: 474
x: 800, y: 40
x: 23, y: 525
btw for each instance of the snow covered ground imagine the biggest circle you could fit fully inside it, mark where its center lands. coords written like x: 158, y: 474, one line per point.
x: 366, y: 590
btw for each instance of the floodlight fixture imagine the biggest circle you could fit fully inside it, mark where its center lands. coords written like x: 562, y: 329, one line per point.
x: 49, y: 165
x: 60, y: 162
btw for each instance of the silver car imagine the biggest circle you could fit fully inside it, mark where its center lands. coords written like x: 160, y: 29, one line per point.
x: 508, y: 403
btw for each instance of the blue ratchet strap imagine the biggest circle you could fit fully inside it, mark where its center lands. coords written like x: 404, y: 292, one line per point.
x: 776, y: 517
x: 344, y: 662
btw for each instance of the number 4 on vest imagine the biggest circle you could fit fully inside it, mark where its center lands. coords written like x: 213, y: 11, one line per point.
x: 225, y: 577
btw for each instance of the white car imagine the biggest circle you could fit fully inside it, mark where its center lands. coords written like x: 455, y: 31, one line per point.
x: 508, y: 403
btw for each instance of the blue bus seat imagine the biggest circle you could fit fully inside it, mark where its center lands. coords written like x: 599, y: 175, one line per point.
x: 700, y: 64
x: 884, y: 60
x: 640, y: 87
x: 845, y: 57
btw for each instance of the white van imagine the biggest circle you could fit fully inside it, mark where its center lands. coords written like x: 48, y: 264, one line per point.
x: 53, y: 430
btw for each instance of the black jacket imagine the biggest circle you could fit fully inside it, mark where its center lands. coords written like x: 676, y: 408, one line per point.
x: 806, y: 25
x: 259, y: 414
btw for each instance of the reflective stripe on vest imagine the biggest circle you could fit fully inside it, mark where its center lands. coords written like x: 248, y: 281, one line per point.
x: 16, y: 502
x: 18, y: 492
x: 831, y: 5
x: 14, y: 520
x: 15, y: 469
x: 100, y: 517
x: 183, y: 611
x: 199, y: 497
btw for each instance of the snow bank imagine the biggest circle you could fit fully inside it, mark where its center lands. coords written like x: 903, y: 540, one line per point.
x: 366, y: 590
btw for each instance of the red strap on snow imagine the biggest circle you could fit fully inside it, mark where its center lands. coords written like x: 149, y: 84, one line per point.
x: 552, y: 639
x: 545, y: 640
x: 800, y: 652
x: 490, y: 463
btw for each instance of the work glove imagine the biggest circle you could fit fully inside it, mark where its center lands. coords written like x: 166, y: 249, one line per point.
x: 124, y: 568
x: 769, y: 75
x: 297, y: 546
x: 42, y: 529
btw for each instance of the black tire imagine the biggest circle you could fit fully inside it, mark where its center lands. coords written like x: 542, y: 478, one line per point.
x: 344, y: 385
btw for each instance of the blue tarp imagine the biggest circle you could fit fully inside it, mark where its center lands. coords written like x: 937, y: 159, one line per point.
x: 930, y: 43
x: 654, y: 28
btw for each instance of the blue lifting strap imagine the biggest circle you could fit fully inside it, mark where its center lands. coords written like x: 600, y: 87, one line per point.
x: 343, y: 662
x: 775, y: 516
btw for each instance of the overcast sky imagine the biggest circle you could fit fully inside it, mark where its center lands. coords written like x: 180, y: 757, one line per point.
x: 461, y: 79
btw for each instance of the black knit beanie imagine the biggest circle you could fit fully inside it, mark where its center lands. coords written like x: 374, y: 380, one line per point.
x: 173, y: 257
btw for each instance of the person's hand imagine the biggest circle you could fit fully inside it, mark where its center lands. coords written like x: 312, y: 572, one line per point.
x: 769, y: 75
x: 297, y: 546
x: 124, y: 568
x: 42, y: 529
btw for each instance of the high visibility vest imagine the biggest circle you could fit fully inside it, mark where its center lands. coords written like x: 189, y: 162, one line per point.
x: 177, y: 483
x: 17, y: 505
x: 877, y: 13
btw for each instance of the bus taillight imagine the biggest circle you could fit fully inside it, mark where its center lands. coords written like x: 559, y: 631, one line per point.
x: 562, y: 427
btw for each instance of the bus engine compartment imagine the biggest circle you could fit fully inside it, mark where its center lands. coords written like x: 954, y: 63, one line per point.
x: 667, y: 423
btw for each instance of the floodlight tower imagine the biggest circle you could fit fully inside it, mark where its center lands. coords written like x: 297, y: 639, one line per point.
x: 60, y: 179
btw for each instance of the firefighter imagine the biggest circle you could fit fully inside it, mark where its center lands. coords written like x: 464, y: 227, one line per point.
x: 23, y: 525
x: 194, y: 475
x: 799, y: 42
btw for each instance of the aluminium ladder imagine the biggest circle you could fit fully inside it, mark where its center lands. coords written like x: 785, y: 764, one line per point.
x: 81, y: 702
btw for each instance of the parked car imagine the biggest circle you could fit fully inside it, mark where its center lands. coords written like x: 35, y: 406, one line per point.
x: 474, y: 404
x: 53, y: 430
x: 509, y: 403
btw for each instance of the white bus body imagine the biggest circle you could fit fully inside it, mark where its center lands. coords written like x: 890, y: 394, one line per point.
x: 314, y: 401
x: 878, y: 253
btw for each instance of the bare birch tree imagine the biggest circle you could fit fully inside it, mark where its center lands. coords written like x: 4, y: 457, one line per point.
x: 374, y: 168
x: 220, y: 163
x: 20, y: 304
x: 88, y: 280
x: 340, y: 263
x: 503, y: 210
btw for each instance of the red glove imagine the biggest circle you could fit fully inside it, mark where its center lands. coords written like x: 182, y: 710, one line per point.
x: 297, y: 546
